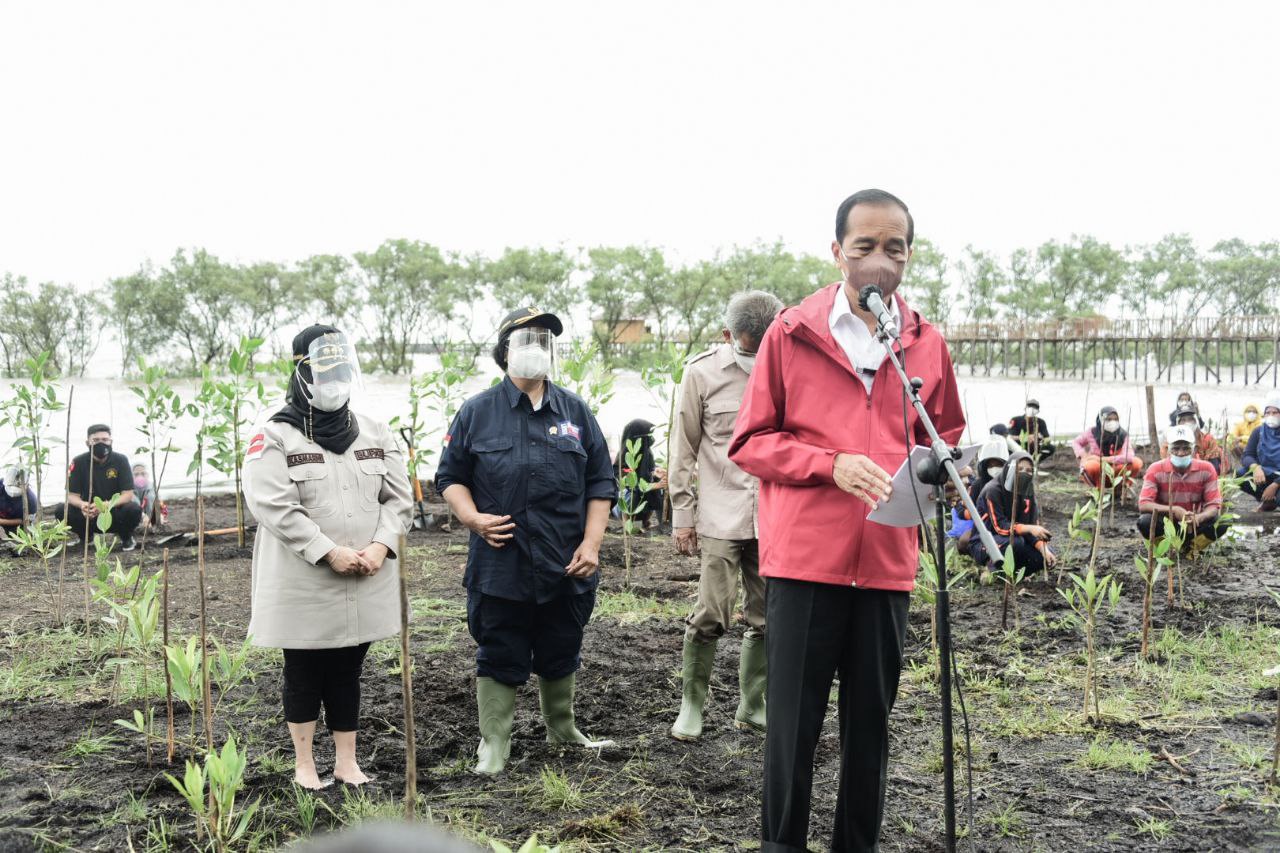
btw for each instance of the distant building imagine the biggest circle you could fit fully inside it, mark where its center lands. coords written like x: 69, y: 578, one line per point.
x: 628, y: 331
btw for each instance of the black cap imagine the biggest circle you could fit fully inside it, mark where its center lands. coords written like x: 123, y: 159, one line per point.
x: 1187, y: 409
x: 1033, y: 404
x: 530, y: 317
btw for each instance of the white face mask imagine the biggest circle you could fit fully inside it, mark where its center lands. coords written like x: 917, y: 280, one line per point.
x: 1272, y: 421
x: 13, y: 491
x: 1250, y: 416
x: 1111, y: 426
x: 529, y: 362
x: 331, y: 396
x: 1031, y: 413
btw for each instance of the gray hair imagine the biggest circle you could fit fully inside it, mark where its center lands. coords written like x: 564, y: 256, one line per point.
x: 750, y: 313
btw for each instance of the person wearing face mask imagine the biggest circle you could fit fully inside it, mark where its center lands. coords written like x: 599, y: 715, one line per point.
x: 642, y: 431
x: 821, y: 425
x: 1183, y: 488
x: 1031, y: 432
x: 101, y: 473
x: 1010, y: 511
x: 1242, y: 431
x: 1185, y: 401
x: 1262, y: 458
x: 144, y: 495
x: 1106, y: 442
x: 1206, y: 446
x: 991, y: 459
x: 329, y: 489
x: 525, y: 467
x: 17, y: 501
x: 717, y: 520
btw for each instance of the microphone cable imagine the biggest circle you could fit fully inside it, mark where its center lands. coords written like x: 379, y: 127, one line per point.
x: 941, y: 572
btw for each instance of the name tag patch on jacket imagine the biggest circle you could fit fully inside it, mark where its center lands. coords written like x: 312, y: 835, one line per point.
x: 303, y: 458
x: 370, y: 453
x: 570, y: 429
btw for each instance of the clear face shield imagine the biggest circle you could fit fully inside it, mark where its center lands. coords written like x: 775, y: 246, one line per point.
x: 15, y: 482
x: 335, y: 372
x: 530, y: 353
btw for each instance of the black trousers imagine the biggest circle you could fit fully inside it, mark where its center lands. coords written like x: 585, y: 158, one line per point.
x: 125, y: 518
x: 519, y: 637
x: 1251, y: 488
x: 324, y: 676
x: 1026, y: 555
x: 815, y: 631
x: 1211, y: 528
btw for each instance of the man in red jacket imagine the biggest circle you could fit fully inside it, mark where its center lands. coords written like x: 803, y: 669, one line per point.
x: 821, y: 425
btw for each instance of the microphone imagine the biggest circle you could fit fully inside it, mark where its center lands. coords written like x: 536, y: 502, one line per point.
x: 871, y: 298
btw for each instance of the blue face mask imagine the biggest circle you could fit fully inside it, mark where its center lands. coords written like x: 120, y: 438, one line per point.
x: 1182, y: 463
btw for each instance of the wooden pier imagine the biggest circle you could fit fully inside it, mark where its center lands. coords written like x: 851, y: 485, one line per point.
x: 1211, y: 349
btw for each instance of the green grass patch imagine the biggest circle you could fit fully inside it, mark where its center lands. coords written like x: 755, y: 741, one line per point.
x: 629, y: 608
x: 1116, y: 755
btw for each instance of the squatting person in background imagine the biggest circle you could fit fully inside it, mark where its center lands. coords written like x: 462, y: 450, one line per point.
x: 1010, y: 511
x: 1183, y: 488
x: 1031, y: 432
x: 990, y: 464
x: 1262, y: 458
x: 526, y: 468
x: 329, y: 490
x: 1184, y: 400
x: 1242, y: 431
x: 17, y: 501
x: 652, y: 500
x: 1106, y: 442
x: 717, y: 516
x: 1206, y: 446
x: 821, y: 421
x: 101, y: 473
x: 144, y: 495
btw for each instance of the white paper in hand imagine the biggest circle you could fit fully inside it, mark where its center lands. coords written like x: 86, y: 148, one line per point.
x: 902, y: 510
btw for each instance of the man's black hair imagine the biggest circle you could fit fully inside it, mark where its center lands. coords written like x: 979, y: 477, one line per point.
x: 871, y: 197
x: 98, y: 428
x: 500, y: 353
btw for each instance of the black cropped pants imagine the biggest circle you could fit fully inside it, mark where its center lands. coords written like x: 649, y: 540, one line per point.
x: 329, y: 677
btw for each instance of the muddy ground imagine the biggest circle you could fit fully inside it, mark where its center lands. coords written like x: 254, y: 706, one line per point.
x: 1043, y: 777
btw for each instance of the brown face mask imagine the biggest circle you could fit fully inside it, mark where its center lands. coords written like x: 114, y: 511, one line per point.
x: 876, y: 268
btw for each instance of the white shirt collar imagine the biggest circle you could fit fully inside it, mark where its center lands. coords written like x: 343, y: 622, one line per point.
x: 841, y: 309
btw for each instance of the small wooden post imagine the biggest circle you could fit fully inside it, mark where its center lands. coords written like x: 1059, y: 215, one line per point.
x: 168, y: 679
x: 1153, y: 440
x: 406, y: 687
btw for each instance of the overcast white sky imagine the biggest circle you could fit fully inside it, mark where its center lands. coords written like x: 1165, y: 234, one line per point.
x: 273, y: 130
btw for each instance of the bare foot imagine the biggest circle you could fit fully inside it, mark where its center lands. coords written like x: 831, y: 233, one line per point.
x: 350, y: 773
x: 307, y: 777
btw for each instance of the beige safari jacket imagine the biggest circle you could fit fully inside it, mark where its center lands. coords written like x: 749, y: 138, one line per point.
x: 724, y: 503
x: 308, y: 500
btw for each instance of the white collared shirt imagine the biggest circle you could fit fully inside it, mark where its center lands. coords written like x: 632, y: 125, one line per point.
x: 859, y: 343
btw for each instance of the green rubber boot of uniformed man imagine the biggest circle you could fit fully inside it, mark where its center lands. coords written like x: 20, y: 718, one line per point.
x: 496, y: 703
x: 695, y: 677
x: 556, y: 698
x: 752, y: 676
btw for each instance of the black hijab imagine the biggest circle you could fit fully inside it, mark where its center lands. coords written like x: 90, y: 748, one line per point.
x: 1111, y: 443
x: 334, y: 431
x: 643, y: 430
x: 1028, y: 509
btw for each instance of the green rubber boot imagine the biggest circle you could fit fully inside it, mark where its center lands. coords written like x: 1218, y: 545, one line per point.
x: 496, y: 703
x: 695, y: 678
x: 556, y: 698
x: 752, y: 676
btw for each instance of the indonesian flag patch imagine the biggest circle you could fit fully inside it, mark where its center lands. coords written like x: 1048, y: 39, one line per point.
x: 570, y: 429
x: 257, y: 444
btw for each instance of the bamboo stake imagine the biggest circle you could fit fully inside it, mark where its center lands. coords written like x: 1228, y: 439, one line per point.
x: 168, y: 679
x: 1146, y: 602
x: 406, y: 686
x: 206, y: 693
x: 66, y: 508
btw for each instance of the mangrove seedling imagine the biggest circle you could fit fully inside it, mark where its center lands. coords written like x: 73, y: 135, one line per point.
x: 1079, y: 529
x: 1157, y: 560
x: 1010, y: 575
x: 1175, y: 533
x: 632, y: 489
x: 583, y: 372
x: 160, y: 408
x: 183, y: 663
x: 238, y: 391
x: 662, y: 377
x: 28, y: 412
x: 216, y: 816
x: 47, y: 539
x: 1090, y: 598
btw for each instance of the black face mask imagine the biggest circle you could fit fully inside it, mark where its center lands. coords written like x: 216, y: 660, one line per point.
x: 101, y: 451
x: 1025, y: 483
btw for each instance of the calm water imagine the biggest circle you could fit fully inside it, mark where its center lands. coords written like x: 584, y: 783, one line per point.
x: 1067, y: 406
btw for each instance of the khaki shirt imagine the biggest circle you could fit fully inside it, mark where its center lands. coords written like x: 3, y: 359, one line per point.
x: 307, y: 500
x: 724, y: 502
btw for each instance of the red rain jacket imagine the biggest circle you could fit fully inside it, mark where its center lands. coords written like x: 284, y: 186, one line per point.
x: 804, y: 404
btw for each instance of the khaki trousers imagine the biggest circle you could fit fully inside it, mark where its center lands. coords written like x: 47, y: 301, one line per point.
x: 723, y: 562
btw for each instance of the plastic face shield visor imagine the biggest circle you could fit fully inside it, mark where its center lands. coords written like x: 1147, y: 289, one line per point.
x: 334, y: 366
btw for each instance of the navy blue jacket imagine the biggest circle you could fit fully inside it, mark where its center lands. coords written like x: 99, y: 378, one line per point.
x: 540, y: 468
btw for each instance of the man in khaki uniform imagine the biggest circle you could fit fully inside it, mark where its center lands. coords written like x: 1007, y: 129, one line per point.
x: 718, y: 517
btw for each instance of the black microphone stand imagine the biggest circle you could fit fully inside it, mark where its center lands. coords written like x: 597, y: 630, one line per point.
x: 936, y: 471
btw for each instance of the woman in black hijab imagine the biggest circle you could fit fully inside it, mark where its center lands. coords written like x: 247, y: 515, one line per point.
x: 334, y: 430
x: 656, y: 477
x: 1009, y: 510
